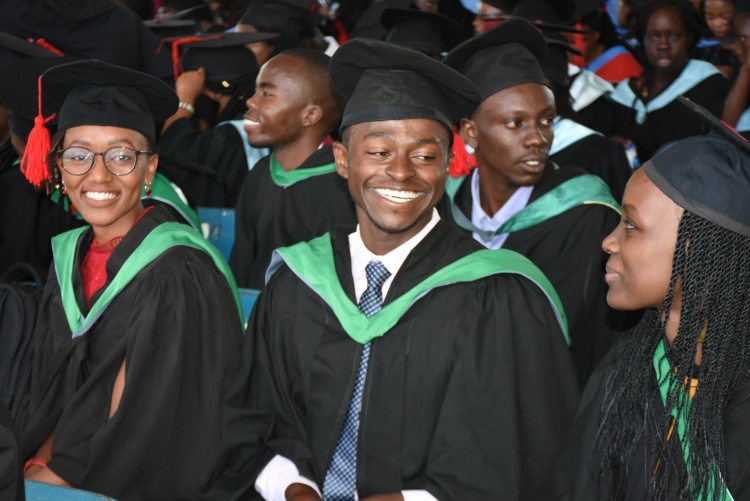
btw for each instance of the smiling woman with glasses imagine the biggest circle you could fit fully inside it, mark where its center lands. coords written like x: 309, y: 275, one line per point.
x: 138, y: 312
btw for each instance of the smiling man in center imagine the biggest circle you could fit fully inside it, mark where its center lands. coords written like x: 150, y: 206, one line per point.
x: 400, y: 359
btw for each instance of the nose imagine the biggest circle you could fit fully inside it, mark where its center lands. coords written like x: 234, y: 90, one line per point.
x: 400, y: 168
x: 535, y: 137
x: 609, y: 244
x: 99, y: 171
x: 250, y: 103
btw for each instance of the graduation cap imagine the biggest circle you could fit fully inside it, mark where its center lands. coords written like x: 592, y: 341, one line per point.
x: 505, y: 56
x: 13, y: 49
x: 93, y: 92
x: 223, y: 55
x: 382, y: 81
x: 170, y: 28
x: 503, y: 5
x: 292, y: 21
x: 708, y: 175
x: 555, y: 65
x: 426, y: 32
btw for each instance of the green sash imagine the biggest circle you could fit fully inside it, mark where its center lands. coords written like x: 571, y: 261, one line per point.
x: 665, y: 378
x: 163, y: 190
x: 581, y: 190
x: 163, y: 237
x: 285, y: 179
x: 313, y: 263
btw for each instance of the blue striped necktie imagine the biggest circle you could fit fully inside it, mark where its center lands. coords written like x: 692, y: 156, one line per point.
x: 341, y: 479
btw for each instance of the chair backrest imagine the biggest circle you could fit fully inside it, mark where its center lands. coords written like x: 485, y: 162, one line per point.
x: 217, y: 225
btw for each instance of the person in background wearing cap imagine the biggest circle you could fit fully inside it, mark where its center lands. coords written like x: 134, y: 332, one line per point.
x: 139, y: 310
x: 646, y: 111
x: 427, y: 32
x: 492, y: 13
x: 735, y: 111
x: 291, y: 21
x: 574, y: 143
x: 293, y: 194
x: 516, y: 198
x: 461, y: 385
x: 218, y: 78
x: 665, y: 415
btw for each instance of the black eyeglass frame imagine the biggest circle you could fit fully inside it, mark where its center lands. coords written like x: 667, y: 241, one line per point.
x: 104, y: 159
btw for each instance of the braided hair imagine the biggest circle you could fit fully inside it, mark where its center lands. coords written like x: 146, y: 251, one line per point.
x: 711, y: 264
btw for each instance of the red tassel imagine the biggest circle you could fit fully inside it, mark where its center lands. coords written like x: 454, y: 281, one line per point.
x: 463, y: 161
x: 41, y: 42
x: 34, y: 162
x: 579, y: 61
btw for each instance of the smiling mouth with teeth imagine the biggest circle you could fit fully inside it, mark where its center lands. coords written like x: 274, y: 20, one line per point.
x: 99, y: 195
x: 250, y: 122
x: 397, y: 196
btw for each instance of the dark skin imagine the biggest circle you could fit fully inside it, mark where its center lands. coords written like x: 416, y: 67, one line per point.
x: 666, y: 41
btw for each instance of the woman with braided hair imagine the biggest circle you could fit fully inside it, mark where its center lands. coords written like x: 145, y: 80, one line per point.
x: 665, y: 415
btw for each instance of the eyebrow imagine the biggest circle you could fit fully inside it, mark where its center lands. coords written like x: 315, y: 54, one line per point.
x: 386, y: 135
x: 629, y: 208
x: 266, y: 85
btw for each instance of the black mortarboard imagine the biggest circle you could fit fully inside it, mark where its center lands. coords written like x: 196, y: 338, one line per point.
x: 14, y: 48
x: 168, y: 28
x: 93, y: 92
x: 707, y: 175
x: 382, y: 81
x: 505, y: 56
x: 291, y: 21
x: 555, y: 65
x: 225, y: 58
x: 588, y: 7
x: 426, y: 32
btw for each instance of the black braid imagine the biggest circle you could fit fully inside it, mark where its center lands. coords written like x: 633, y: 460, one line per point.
x: 712, y: 266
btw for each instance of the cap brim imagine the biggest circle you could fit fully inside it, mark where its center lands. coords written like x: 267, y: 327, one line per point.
x: 59, y: 81
x: 392, y: 15
x: 221, y: 40
x: 23, y: 48
x: 514, y: 29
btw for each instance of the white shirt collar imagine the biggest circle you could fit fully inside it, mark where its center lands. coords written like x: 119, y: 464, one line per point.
x: 393, y: 260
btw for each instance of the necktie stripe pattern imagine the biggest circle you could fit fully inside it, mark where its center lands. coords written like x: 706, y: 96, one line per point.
x: 341, y: 479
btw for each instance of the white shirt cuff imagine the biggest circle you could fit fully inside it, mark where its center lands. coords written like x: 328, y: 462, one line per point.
x: 279, y: 474
x: 418, y: 496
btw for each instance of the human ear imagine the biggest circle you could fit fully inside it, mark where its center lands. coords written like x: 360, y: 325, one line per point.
x: 153, y: 162
x: 311, y: 115
x: 469, y: 129
x: 342, y: 163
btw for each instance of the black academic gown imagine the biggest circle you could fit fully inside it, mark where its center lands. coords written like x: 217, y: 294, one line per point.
x: 11, y: 470
x: 220, y: 155
x: 672, y: 122
x: 568, y: 250
x: 601, y: 156
x: 577, y: 469
x: 271, y: 216
x: 177, y: 326
x: 467, y: 396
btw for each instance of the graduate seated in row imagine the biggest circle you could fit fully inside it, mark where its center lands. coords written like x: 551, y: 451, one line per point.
x: 293, y: 194
x: 399, y: 359
x: 665, y: 415
x: 646, y: 111
x: 518, y: 199
x: 140, y: 327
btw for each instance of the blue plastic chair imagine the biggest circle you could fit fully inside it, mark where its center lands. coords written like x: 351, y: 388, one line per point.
x: 248, y: 298
x: 218, y: 227
x: 38, y: 491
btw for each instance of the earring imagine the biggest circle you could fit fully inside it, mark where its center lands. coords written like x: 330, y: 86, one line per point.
x: 64, y: 191
x: 148, y: 189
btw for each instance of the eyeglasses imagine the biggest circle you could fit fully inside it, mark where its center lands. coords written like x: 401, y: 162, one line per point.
x: 119, y: 160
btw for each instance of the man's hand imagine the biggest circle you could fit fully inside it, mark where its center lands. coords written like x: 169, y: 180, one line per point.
x: 301, y: 492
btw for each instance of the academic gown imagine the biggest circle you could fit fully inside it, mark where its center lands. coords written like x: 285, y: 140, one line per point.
x: 598, y: 155
x: 272, y: 213
x: 576, y: 472
x: 466, y: 396
x: 670, y: 122
x: 219, y: 154
x: 568, y: 250
x: 11, y: 470
x: 177, y: 326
